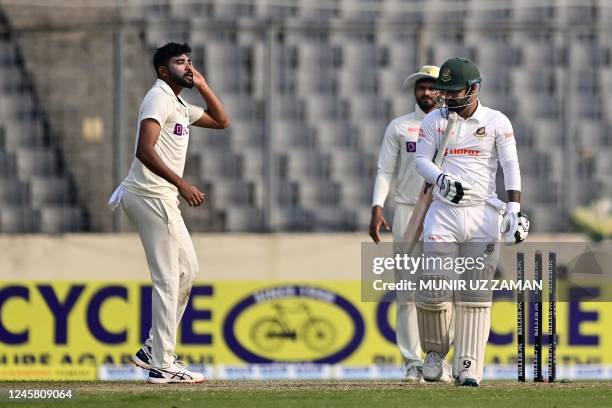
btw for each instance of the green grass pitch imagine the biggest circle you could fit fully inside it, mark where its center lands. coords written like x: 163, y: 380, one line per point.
x: 386, y: 394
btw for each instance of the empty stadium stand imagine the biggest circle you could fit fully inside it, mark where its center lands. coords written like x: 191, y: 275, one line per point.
x: 319, y: 81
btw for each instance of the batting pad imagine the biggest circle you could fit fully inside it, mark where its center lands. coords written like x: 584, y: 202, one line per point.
x: 472, y: 324
x: 435, y: 321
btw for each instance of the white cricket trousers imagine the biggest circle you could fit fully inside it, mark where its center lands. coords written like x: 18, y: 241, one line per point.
x: 406, y: 324
x: 172, y: 263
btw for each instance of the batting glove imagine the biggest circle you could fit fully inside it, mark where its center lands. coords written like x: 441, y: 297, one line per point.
x: 515, y: 225
x: 452, y: 189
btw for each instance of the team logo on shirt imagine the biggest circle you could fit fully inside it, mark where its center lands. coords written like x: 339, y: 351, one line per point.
x: 480, y: 132
x: 411, y: 147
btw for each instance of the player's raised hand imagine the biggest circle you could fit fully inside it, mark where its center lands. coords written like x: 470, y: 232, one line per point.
x: 191, y: 194
x: 198, y: 78
x: 377, y: 220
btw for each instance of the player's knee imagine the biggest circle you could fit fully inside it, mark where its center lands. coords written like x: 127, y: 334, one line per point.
x: 433, y: 290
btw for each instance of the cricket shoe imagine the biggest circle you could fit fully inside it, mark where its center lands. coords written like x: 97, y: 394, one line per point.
x: 435, y: 368
x: 467, y: 379
x: 176, y: 373
x: 143, y: 357
x: 413, y: 373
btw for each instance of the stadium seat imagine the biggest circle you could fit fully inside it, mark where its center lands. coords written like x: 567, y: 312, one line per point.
x: 335, y: 135
x: 18, y: 219
x: 12, y: 192
x: 369, y: 108
x: 313, y: 192
x: 483, y: 13
x: 540, y: 191
x: 246, y: 135
x: 228, y: 192
x: 356, y: 190
x: 26, y: 134
x: 237, y: 219
x: 371, y: 135
x: 201, y: 139
x: 296, y: 164
x: 182, y: 9
x: 291, y: 135
x: 291, y: 218
x: 525, y: 11
x: 568, y: 12
x: 7, y: 164
x: 347, y: 164
x: 49, y: 191
x: 218, y: 164
x: 324, y: 107
x: 546, y: 133
x: 544, y: 218
x: 332, y: 218
x: 445, y: 12
x: 54, y: 220
x: 360, y: 10
x: 402, y: 11
x: 39, y: 161
x: 161, y: 30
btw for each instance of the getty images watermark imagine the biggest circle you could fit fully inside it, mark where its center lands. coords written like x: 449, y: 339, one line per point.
x: 428, y: 269
x: 483, y: 271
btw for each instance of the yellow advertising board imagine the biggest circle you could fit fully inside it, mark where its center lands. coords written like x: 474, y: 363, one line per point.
x: 81, y: 325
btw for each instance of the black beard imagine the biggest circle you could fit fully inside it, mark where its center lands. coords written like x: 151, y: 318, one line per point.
x: 181, y: 81
x: 426, y: 104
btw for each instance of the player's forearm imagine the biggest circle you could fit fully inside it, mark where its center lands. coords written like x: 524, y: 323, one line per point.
x: 214, y: 106
x: 382, y: 185
x: 428, y: 169
x: 152, y: 161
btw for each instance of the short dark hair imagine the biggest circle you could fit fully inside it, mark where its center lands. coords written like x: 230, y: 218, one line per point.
x: 172, y: 49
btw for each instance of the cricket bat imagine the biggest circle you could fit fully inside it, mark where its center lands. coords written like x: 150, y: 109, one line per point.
x: 414, y: 229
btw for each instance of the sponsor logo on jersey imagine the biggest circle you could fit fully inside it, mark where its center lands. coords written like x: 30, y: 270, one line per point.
x: 480, y: 132
x: 180, y: 130
x: 462, y: 152
x: 411, y: 147
x: 508, y: 135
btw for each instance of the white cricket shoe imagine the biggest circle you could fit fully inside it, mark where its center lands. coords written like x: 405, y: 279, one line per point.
x: 446, y: 373
x: 435, y: 368
x: 467, y: 379
x: 413, y: 373
x: 176, y: 373
x: 143, y: 357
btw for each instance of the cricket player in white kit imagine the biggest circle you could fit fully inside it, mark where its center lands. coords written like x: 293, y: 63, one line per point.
x: 466, y: 218
x: 149, y: 196
x: 399, y: 145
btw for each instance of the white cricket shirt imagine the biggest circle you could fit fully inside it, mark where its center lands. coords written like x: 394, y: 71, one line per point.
x: 174, y: 115
x: 475, y: 146
x: 399, y: 142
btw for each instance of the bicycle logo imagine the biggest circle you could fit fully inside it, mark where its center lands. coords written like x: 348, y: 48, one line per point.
x: 270, y: 333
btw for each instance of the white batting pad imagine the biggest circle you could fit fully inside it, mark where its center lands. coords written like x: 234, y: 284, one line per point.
x: 472, y: 324
x: 435, y: 320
